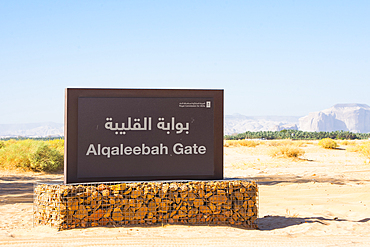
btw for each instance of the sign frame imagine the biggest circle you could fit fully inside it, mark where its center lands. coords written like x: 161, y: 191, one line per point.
x: 72, y: 96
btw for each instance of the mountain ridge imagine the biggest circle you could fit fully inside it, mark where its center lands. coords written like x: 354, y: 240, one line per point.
x: 351, y: 117
x: 45, y: 129
x: 347, y: 117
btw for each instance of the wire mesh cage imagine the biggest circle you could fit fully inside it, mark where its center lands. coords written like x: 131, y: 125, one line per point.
x: 219, y: 202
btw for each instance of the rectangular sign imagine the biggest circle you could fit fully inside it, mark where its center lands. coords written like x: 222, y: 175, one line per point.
x: 143, y: 134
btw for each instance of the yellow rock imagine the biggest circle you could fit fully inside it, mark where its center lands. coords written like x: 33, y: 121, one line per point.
x: 228, y: 213
x: 95, y: 216
x: 138, y: 202
x: 182, y: 214
x: 164, y: 205
x: 191, y: 196
x: 105, y: 192
x: 204, y: 209
x: 250, y: 212
x: 136, y: 193
x: 173, y: 186
x: 208, y: 195
x: 198, y: 202
x: 152, y: 206
x: 140, y: 213
x: 150, y: 215
x: 192, y: 212
x: 237, y: 206
x: 73, y: 204
x: 128, y: 214
x: 81, y: 212
x: 131, y: 203
x: 221, y: 192
x: 235, y: 216
x: 218, y: 199
x: 165, y: 188
x: 201, y: 193
x: 107, y: 214
x: 117, y: 214
x: 238, y: 195
x: 149, y: 196
x: 95, y: 204
x: 177, y: 200
x: 128, y: 191
x: 172, y: 194
x: 211, y: 206
x: 121, y: 187
x: 173, y: 213
x: 183, y: 187
x: 184, y: 194
x: 243, y: 213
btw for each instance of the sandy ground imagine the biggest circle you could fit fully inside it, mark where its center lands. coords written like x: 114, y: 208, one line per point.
x: 322, y: 200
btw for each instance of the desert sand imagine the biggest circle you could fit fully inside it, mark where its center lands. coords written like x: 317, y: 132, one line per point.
x: 320, y: 200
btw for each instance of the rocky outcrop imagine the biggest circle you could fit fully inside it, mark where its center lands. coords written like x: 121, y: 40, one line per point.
x: 238, y: 123
x: 32, y: 130
x: 347, y: 117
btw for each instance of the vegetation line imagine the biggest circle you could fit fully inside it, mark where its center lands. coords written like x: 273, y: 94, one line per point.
x: 298, y: 135
x: 32, y: 155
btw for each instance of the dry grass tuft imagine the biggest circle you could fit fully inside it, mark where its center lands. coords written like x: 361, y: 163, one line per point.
x: 286, y: 151
x: 277, y: 143
x: 240, y: 143
x: 363, y: 148
x: 348, y: 143
x: 354, y: 148
x: 345, y: 143
x: 328, y: 143
x: 366, y: 149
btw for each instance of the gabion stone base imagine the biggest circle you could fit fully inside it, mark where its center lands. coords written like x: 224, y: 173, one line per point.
x: 220, y: 202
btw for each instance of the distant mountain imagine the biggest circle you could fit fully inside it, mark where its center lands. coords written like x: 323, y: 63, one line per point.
x: 347, y: 117
x: 32, y: 130
x: 233, y: 124
x: 238, y: 123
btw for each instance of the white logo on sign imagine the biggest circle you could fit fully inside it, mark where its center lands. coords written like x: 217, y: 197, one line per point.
x: 208, y: 104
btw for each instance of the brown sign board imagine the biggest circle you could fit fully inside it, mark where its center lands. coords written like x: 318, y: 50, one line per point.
x: 143, y: 134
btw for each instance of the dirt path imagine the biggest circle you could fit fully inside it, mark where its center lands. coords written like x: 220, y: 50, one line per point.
x: 321, y: 201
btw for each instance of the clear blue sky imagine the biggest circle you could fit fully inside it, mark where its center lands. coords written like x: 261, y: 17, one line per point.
x: 271, y: 57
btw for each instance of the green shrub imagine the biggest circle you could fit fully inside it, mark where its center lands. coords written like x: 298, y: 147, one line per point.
x: 328, y: 143
x: 15, y: 154
x: 286, y: 151
x: 46, y: 159
x: 30, y: 155
x: 57, y: 144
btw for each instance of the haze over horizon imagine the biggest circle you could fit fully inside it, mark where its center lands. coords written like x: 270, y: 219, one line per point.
x: 285, y: 59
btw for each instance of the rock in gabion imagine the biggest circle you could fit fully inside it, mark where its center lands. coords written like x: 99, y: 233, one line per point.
x: 220, y: 202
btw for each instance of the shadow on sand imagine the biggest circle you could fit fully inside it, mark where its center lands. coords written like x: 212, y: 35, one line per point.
x: 19, y: 189
x: 269, y: 223
x: 277, y: 179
